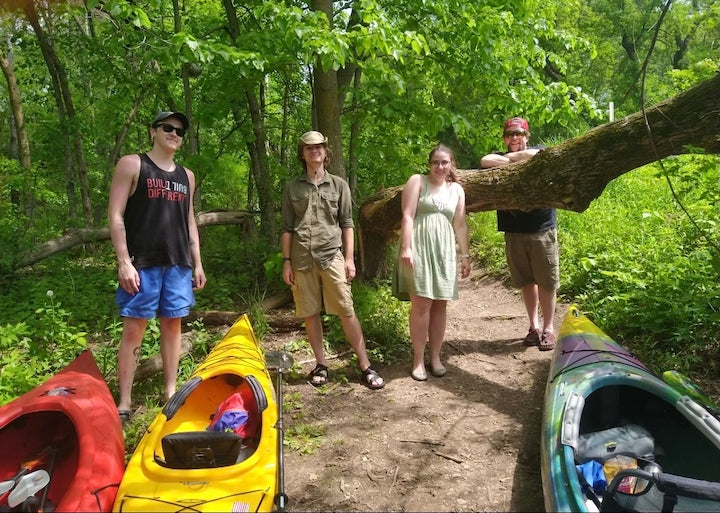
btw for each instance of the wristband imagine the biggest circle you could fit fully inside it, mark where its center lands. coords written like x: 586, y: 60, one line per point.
x: 464, y: 256
x: 286, y: 259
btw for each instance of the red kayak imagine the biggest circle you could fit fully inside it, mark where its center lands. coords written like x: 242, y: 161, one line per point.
x: 68, y: 427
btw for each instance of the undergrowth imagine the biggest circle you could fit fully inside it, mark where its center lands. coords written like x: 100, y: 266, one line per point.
x: 645, y: 271
x: 634, y: 262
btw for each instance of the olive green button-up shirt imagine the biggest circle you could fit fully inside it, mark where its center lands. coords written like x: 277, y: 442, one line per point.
x: 316, y: 217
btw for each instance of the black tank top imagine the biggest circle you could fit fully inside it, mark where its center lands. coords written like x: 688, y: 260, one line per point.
x: 156, y: 217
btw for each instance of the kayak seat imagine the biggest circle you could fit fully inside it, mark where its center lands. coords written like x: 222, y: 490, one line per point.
x: 202, y: 449
x: 636, y: 490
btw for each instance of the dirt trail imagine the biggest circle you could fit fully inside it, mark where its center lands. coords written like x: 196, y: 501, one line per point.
x: 466, y: 442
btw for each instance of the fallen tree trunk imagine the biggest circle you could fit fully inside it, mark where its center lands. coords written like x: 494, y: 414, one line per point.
x: 154, y: 365
x: 568, y: 176
x: 79, y: 236
x: 278, y: 321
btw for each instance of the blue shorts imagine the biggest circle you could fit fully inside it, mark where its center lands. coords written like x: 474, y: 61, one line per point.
x: 165, y: 291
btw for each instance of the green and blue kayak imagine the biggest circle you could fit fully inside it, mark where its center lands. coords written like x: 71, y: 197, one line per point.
x: 596, y: 394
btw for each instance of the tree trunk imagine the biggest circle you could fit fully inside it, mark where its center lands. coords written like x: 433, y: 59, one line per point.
x: 17, y: 110
x: 68, y: 119
x: 256, y: 149
x: 191, y: 133
x: 62, y: 116
x: 285, y: 130
x: 568, y: 176
x: 19, y: 144
x: 260, y: 168
x: 80, y: 236
x: 120, y: 139
x: 219, y: 317
x: 355, y: 127
x: 327, y: 101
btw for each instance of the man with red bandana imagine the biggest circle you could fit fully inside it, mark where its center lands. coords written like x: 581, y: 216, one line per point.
x: 531, y: 246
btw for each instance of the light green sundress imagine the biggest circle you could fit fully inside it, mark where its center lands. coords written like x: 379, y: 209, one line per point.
x: 434, y: 274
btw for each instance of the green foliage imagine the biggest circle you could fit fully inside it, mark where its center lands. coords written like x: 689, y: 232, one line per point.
x: 14, y: 362
x: 256, y: 312
x: 31, y: 353
x: 274, y: 268
x: 645, y: 270
x: 85, y: 284
x: 105, y: 352
x: 487, y: 245
x: 300, y: 436
x: 292, y: 403
x: 641, y: 266
x: 622, y: 38
x: 450, y: 70
x: 56, y: 336
x: 202, y: 344
x: 304, y: 438
x: 135, y: 429
x: 384, y: 321
x: 237, y: 265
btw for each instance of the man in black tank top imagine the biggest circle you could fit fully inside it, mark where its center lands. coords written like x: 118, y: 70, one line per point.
x: 152, y: 227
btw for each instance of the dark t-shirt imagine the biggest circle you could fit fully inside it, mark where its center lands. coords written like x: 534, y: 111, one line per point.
x: 532, y: 221
x: 156, y: 217
x: 519, y: 221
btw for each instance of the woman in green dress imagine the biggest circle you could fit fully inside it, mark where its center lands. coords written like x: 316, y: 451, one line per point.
x: 433, y: 220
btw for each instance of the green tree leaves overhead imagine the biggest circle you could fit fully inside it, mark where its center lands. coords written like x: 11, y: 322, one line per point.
x: 446, y: 70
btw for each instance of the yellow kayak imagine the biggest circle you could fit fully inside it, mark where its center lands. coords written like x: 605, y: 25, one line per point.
x: 180, y: 465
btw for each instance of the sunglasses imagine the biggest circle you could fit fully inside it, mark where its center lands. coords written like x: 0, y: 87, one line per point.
x: 510, y: 133
x: 167, y: 128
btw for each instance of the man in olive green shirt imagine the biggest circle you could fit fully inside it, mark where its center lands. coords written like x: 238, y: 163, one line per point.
x: 317, y: 228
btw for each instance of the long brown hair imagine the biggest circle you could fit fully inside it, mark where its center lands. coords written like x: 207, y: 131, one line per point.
x: 452, y: 177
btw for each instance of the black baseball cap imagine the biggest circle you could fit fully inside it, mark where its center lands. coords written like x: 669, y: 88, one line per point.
x: 162, y: 116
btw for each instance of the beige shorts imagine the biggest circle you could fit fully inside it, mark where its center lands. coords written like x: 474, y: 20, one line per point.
x: 329, y: 286
x: 533, y: 258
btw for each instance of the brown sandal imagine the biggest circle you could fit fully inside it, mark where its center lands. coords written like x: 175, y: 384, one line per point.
x: 532, y: 338
x: 547, y: 341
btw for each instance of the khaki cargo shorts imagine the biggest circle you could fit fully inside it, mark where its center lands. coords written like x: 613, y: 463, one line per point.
x: 329, y: 286
x: 533, y: 258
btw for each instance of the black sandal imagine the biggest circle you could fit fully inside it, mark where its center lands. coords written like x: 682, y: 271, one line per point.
x: 320, y: 371
x: 370, y: 379
x: 125, y: 416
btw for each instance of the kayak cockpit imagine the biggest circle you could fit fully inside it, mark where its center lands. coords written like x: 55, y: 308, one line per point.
x: 680, y: 448
x: 203, y: 449
x: 666, y: 443
x: 187, y: 439
x: 41, y: 440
